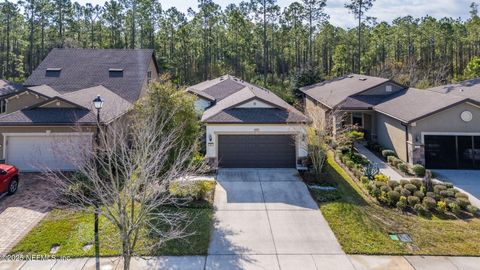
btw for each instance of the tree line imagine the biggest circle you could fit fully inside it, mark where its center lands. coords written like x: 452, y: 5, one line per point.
x: 256, y: 40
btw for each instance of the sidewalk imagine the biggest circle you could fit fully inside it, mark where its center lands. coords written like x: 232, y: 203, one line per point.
x: 251, y: 262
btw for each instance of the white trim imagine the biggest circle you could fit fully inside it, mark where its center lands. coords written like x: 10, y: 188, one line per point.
x: 47, y: 133
x: 423, y: 134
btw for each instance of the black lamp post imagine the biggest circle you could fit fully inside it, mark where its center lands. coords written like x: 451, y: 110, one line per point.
x: 98, y: 104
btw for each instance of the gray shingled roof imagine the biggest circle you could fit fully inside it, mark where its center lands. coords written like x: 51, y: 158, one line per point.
x: 84, y: 68
x: 412, y: 104
x: 362, y: 102
x: 229, y: 92
x: 44, y: 90
x: 468, y: 89
x: 256, y: 116
x: 333, y: 92
x: 50, y: 116
x: 8, y: 88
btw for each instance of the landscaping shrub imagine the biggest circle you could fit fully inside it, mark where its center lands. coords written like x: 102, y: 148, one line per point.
x: 461, y: 195
x: 357, y: 172
x: 454, y: 208
x: 379, y: 184
x: 405, y: 192
x: 413, y: 200
x: 447, y: 193
x: 448, y: 185
x: 364, y: 179
x: 441, y: 206
x: 439, y: 187
x: 402, y: 167
x: 350, y: 164
x: 393, y: 184
x: 410, y: 187
x: 381, y: 177
x: 430, y: 195
x: 196, y: 190
x: 472, y: 209
x: 417, y: 182
x: 382, y: 198
x: 429, y: 203
x: 398, y: 189
x: 419, y: 194
x: 448, y: 200
x: 375, y: 192
x: 386, y: 153
x: 396, y: 161
x: 463, y: 202
x: 418, y: 170
x: 402, y: 203
x: 385, y: 188
x: 420, y: 209
x: 393, y: 197
x: 403, y: 182
x: 391, y: 160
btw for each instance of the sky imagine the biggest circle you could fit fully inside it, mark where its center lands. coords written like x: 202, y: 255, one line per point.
x: 383, y: 10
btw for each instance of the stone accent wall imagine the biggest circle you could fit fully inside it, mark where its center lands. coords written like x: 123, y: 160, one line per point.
x: 418, y: 154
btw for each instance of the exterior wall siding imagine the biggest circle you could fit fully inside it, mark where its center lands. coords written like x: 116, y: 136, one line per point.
x: 254, y: 104
x: 58, y: 104
x: 214, y: 130
x: 391, y: 134
x: 317, y: 112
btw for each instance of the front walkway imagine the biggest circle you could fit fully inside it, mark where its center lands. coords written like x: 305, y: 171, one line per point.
x: 20, y: 212
x: 383, y: 166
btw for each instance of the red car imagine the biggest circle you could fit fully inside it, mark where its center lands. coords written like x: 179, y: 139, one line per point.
x: 8, y: 179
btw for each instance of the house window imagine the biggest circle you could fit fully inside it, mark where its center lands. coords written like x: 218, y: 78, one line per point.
x: 389, y: 88
x: 149, y: 76
x: 115, y: 73
x: 357, y: 119
x: 3, y: 106
x: 53, y: 72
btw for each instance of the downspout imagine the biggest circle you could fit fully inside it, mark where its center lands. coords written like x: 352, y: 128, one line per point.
x: 406, y: 140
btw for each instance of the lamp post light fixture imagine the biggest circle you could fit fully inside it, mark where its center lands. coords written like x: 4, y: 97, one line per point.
x: 98, y: 104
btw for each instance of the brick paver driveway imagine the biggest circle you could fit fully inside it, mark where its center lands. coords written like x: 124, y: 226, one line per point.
x: 20, y: 212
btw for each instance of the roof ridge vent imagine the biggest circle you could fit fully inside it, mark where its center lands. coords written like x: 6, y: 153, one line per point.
x: 221, y: 78
x: 362, y: 79
x: 350, y: 76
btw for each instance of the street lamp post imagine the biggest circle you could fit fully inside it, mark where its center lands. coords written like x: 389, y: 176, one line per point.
x: 98, y: 104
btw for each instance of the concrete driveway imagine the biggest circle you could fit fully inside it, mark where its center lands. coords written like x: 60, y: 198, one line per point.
x: 266, y: 219
x: 467, y: 180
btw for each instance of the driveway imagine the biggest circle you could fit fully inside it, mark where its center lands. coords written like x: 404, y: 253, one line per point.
x: 467, y: 180
x: 266, y: 219
x: 20, y: 212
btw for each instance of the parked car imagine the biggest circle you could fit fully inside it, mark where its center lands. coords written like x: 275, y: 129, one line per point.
x: 8, y: 179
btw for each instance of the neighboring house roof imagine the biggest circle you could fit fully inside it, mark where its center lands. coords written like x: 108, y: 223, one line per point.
x: 413, y: 104
x: 84, y: 68
x: 44, y: 90
x: 362, y: 102
x: 49, y: 116
x: 333, y: 92
x: 8, y: 88
x: 468, y: 89
x: 229, y: 92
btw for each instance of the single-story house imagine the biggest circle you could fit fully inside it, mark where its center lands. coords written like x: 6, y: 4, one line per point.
x: 247, y: 126
x: 437, y: 127
x: 55, y: 104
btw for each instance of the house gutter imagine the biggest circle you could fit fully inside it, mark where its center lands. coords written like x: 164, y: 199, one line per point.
x: 406, y: 139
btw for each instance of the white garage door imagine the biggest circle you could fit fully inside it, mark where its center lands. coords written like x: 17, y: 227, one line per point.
x: 42, y: 152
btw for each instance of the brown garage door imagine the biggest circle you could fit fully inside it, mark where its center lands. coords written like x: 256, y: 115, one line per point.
x: 256, y: 151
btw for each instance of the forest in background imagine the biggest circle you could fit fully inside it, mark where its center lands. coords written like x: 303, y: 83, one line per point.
x: 256, y: 40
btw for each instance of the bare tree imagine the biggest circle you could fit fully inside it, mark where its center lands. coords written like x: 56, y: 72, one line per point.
x: 127, y: 175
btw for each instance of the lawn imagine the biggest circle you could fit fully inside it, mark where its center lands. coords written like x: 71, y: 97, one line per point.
x: 362, y: 226
x: 73, y: 230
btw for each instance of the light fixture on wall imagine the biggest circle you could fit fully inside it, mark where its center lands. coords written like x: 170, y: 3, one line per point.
x: 209, y: 137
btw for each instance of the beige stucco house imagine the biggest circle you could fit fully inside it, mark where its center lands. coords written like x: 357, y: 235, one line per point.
x: 54, y: 105
x: 247, y: 126
x: 437, y: 127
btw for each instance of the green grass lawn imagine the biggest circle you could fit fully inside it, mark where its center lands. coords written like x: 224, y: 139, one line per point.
x: 73, y: 230
x: 362, y: 226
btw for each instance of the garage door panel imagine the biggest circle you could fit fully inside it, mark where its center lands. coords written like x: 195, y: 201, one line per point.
x: 256, y: 151
x: 452, y: 152
x: 51, y: 152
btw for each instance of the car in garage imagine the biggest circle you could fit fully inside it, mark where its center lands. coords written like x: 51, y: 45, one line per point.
x: 9, y: 179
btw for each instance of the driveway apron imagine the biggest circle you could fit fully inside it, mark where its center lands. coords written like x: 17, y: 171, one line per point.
x: 266, y: 218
